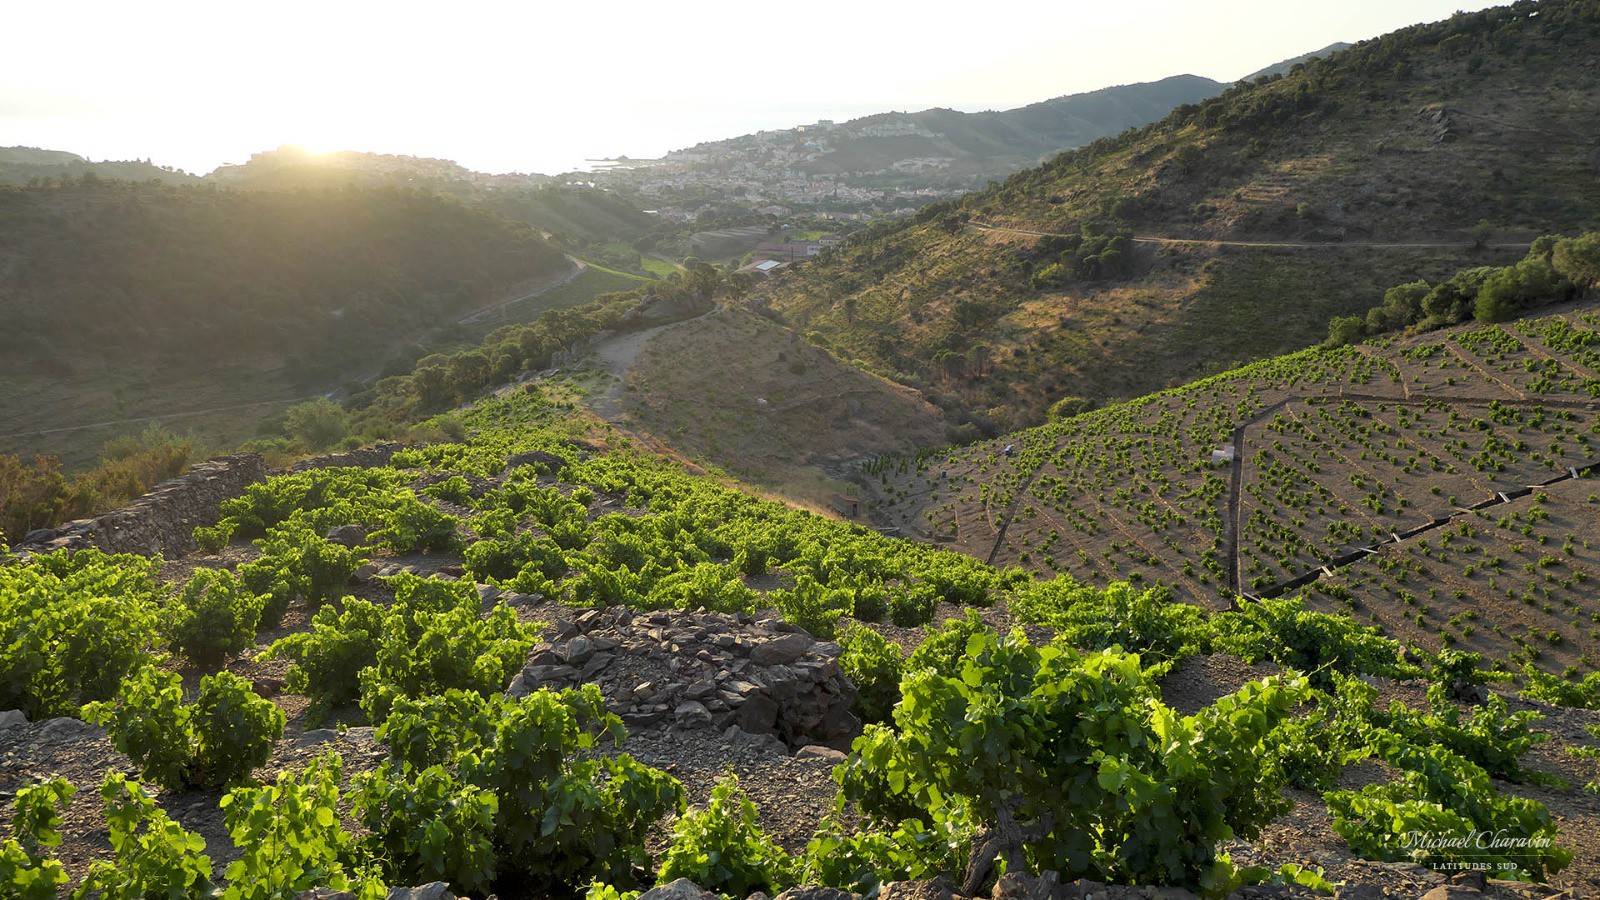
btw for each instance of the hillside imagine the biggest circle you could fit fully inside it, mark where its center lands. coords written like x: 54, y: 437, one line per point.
x: 125, y: 300
x: 734, y: 391
x: 993, y: 143
x: 937, y: 145
x: 1287, y: 66
x: 20, y: 165
x: 537, y: 200
x: 1231, y: 230
x: 1441, y: 486
x: 521, y: 656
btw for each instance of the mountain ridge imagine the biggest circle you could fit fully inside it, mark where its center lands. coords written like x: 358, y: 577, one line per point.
x: 1431, y: 134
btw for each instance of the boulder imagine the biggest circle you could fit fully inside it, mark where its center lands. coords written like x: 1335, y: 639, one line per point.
x: 682, y: 889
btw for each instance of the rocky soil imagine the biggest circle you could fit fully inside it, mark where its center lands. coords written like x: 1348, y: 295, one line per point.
x: 705, y: 694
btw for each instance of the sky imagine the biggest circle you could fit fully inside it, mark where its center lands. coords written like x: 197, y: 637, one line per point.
x: 541, y: 86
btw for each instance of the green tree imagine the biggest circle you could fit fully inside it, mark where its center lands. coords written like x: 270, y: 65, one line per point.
x: 1344, y: 330
x: 1578, y: 260
x: 318, y: 424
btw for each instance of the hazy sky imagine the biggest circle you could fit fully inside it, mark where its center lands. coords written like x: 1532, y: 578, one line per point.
x: 538, y: 86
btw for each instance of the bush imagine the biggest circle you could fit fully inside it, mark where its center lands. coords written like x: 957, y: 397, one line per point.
x: 224, y: 736
x: 329, y: 658
x: 298, y: 562
x: 291, y: 837
x: 1067, y: 407
x: 73, y: 626
x: 1074, y: 763
x: 565, y: 815
x: 429, y: 827
x: 875, y: 666
x: 234, y: 729
x: 155, y: 856
x: 721, y: 848
x: 812, y: 606
x: 25, y: 869
x: 212, y: 617
x: 911, y: 605
x: 1318, y: 644
x: 1139, y: 621
x: 429, y: 645
x: 317, y: 424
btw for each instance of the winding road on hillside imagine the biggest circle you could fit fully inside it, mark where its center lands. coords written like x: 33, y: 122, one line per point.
x: 1280, y: 245
x: 578, y: 268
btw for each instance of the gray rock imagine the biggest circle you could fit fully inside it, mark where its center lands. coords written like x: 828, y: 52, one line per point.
x: 816, y: 893
x: 578, y: 650
x: 758, y: 713
x: 67, y: 729
x: 781, y: 651
x: 347, y: 535
x: 13, y: 718
x: 692, y: 714
x: 1454, y: 892
x: 1022, y: 886
x: 438, y: 890
x: 643, y: 719
x: 315, y: 737
x: 488, y: 593
x: 547, y: 674
x: 940, y: 888
x: 324, y: 893
x: 682, y: 889
x: 595, y: 665
x: 1359, y: 892
x: 815, y: 751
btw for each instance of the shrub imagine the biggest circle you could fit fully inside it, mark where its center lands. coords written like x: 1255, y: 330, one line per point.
x: 1075, y: 764
x: 565, y: 815
x: 291, y: 837
x: 722, y: 848
x: 329, y: 658
x: 224, y: 736
x: 73, y: 626
x: 25, y: 868
x: 875, y: 666
x: 154, y: 856
x: 1121, y: 615
x: 911, y: 605
x: 212, y: 617
x: 429, y: 827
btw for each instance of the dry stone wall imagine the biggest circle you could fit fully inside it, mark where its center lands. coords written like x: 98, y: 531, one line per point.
x: 162, y: 521
x: 692, y: 670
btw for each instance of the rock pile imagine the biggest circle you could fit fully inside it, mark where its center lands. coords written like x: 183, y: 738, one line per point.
x: 701, y: 670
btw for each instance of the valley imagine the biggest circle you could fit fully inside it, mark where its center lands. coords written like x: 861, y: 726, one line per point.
x: 1207, y: 508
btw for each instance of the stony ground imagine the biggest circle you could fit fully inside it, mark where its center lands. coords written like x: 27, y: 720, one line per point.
x: 790, y: 779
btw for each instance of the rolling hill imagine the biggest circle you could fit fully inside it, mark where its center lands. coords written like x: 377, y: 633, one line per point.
x: 1442, y: 486
x: 536, y: 200
x: 997, y: 142
x: 20, y: 165
x: 135, y: 299
x: 1233, y: 229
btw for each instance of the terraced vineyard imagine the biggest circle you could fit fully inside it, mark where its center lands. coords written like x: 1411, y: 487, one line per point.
x: 1436, y: 485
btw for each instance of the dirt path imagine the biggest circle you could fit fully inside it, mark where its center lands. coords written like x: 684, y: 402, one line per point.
x: 617, y: 356
x: 578, y: 268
